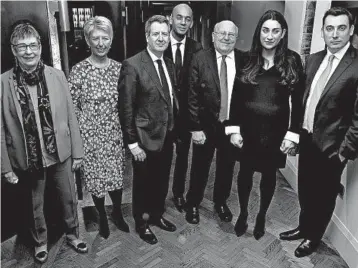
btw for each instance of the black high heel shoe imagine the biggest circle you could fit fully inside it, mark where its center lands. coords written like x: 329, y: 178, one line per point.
x: 241, y: 225
x: 259, y: 229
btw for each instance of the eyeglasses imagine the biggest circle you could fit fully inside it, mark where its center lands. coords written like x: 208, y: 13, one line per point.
x: 23, y: 47
x: 221, y: 35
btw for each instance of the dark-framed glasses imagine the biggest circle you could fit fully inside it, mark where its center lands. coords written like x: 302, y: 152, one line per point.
x: 23, y: 47
x: 221, y: 35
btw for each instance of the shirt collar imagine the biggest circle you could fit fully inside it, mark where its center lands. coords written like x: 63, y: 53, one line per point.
x: 339, y: 55
x: 230, y: 55
x: 173, y: 41
x: 153, y: 57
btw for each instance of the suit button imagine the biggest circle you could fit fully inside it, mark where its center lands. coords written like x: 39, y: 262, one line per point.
x: 202, y: 85
x: 164, y: 123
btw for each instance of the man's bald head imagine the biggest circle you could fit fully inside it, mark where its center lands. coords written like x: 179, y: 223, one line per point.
x: 181, y: 20
x: 225, y: 36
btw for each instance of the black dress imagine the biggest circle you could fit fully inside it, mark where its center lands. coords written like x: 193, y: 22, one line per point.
x: 263, y: 113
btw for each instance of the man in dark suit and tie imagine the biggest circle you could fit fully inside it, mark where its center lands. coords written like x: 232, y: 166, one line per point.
x: 181, y: 49
x: 212, y: 76
x: 330, y: 128
x: 148, y: 106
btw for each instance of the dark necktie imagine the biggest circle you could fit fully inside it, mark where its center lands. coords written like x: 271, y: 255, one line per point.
x: 166, y: 92
x: 178, y: 61
x: 224, y: 90
x: 317, y: 92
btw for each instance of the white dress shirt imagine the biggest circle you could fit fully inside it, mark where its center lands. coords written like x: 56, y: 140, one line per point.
x: 173, y: 44
x: 154, y: 59
x: 336, y: 60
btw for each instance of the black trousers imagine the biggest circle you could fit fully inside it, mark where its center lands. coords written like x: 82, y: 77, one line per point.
x: 318, y: 186
x: 181, y: 164
x: 151, y: 182
x: 201, y: 162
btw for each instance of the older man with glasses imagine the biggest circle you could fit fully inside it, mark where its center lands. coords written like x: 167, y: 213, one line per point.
x: 212, y: 76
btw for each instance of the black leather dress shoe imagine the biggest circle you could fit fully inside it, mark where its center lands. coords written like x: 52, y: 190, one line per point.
x: 164, y: 224
x: 192, y: 215
x: 223, y: 212
x: 290, y: 235
x: 306, y: 248
x: 179, y: 203
x: 146, y: 234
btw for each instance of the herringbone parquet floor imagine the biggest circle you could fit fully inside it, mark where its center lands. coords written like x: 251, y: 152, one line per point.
x: 210, y: 244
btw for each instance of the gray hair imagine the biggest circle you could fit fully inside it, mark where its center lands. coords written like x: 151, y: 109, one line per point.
x: 155, y: 18
x: 98, y: 22
x: 22, y: 31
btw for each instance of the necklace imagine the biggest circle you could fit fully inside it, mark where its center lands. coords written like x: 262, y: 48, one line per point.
x: 99, y: 65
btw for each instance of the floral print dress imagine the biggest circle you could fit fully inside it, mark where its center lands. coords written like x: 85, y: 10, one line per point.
x: 95, y: 98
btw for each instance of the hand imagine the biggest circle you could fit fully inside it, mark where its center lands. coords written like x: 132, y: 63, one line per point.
x: 138, y: 154
x: 236, y: 140
x: 198, y: 137
x: 287, y: 147
x: 11, y: 177
x: 76, y: 164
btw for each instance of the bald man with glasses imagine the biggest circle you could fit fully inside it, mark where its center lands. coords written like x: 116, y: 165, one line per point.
x: 211, y: 80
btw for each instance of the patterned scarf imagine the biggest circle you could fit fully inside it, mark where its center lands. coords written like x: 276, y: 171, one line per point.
x: 21, y: 80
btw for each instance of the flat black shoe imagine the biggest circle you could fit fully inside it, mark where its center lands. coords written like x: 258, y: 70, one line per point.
x: 241, y: 225
x: 146, y: 234
x: 307, y: 247
x: 179, y: 203
x: 291, y: 235
x: 164, y: 224
x: 192, y: 215
x: 223, y: 212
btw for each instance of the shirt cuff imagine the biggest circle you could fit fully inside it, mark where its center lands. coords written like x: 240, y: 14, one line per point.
x: 291, y: 136
x: 232, y: 130
x: 132, y: 145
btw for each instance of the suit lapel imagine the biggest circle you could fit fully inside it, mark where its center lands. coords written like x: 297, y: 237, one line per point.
x: 213, y: 65
x: 188, y: 51
x: 171, y: 72
x: 15, y: 98
x: 342, y: 66
x: 50, y: 81
x: 311, y: 72
x: 148, y: 65
x: 168, y: 52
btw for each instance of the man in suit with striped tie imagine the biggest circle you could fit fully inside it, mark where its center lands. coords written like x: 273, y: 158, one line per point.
x: 329, y: 128
x: 181, y: 49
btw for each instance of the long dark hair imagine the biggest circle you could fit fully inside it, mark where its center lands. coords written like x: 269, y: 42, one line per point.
x: 284, y: 59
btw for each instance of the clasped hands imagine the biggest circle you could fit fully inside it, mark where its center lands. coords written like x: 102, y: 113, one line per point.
x: 138, y: 154
x: 287, y: 146
x: 198, y: 137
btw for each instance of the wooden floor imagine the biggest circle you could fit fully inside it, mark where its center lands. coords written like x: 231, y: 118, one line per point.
x: 209, y: 244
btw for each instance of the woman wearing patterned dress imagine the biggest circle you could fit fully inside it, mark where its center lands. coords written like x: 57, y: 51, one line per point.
x: 93, y: 84
x: 260, y: 113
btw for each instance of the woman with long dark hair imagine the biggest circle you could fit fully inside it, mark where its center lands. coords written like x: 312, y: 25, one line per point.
x: 261, y: 121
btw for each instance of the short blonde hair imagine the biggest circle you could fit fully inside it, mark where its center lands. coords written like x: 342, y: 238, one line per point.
x: 98, y: 22
x: 22, y: 31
